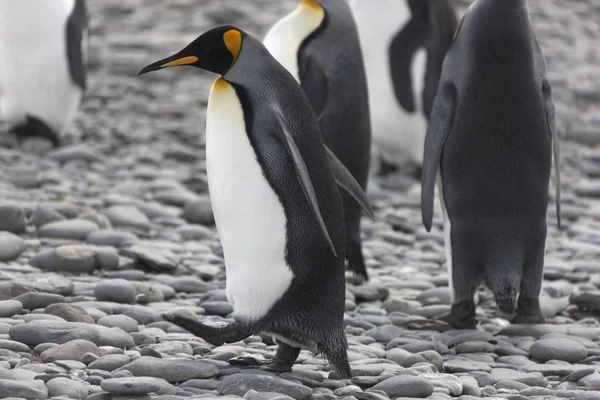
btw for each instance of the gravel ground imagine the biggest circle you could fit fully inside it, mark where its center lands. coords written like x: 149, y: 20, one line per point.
x: 99, y: 238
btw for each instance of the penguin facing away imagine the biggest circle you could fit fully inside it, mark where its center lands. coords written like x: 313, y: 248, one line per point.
x: 404, y: 43
x: 42, y: 65
x: 318, y: 43
x: 279, y: 214
x: 490, y: 143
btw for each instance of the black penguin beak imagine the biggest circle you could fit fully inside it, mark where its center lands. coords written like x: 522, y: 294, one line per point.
x: 173, y: 61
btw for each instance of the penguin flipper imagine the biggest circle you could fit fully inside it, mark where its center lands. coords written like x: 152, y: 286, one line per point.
x: 344, y: 179
x: 540, y: 62
x: 315, y: 85
x: 442, y: 116
x: 402, y: 49
x: 76, y: 24
x: 302, y: 174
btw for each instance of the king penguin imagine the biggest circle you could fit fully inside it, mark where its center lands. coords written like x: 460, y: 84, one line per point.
x: 490, y: 146
x: 278, y: 211
x: 43, y: 47
x: 404, y: 43
x: 318, y: 43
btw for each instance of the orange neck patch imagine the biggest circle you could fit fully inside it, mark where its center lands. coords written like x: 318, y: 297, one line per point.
x: 233, y: 41
x: 312, y: 5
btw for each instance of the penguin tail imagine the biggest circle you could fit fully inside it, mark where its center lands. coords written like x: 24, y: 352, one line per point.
x: 336, y: 352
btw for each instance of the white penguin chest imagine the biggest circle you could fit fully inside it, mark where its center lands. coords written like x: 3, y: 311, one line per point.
x: 284, y: 39
x: 249, y: 217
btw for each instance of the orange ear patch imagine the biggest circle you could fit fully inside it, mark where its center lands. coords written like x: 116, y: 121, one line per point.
x: 233, y: 41
x: 312, y: 4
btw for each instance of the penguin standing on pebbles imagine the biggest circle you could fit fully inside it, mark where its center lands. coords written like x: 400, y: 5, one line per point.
x: 278, y: 211
x: 404, y: 43
x: 42, y: 65
x: 318, y: 43
x: 489, y: 145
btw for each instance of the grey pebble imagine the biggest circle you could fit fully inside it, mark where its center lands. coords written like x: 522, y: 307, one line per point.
x: 53, y: 283
x: 174, y: 371
x: 34, y: 300
x: 406, y: 386
x: 221, y: 308
x: 198, y: 211
x: 9, y: 290
x: 68, y: 388
x: 110, y: 362
x: 155, y: 259
x: 30, y: 390
x: 37, y: 332
x: 76, y: 229
x: 124, y: 322
x: 72, y: 350
x: 127, y: 217
x: 43, y: 215
x: 137, y: 386
x: 563, y: 349
x: 11, y: 246
x: 112, y: 238
x: 239, y: 384
x: 8, y: 308
x: 12, y: 218
x: 69, y: 312
x: 116, y: 290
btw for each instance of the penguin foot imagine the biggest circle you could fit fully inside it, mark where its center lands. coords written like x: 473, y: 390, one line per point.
x: 528, y: 311
x: 36, y: 128
x: 461, y: 316
x: 282, y: 362
x: 356, y: 262
x: 210, y: 334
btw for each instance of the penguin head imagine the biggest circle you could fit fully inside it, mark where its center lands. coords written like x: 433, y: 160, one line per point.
x: 216, y: 51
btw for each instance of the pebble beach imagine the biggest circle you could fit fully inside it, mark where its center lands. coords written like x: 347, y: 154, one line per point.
x: 98, y: 238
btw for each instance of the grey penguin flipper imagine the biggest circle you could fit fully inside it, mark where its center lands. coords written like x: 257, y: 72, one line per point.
x: 76, y: 24
x: 315, y: 85
x: 540, y: 62
x: 213, y: 335
x: 301, y: 173
x: 344, y: 179
x: 402, y: 49
x: 442, y: 116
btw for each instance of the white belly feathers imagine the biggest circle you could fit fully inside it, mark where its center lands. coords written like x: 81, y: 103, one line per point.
x: 248, y: 214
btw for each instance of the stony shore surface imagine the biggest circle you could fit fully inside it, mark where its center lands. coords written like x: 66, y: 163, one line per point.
x: 97, y: 239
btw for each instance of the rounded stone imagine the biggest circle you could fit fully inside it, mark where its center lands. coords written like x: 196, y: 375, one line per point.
x: 405, y: 386
x: 12, y: 218
x: 117, y: 290
x: 563, y: 349
x: 76, y: 229
x: 8, y: 308
x: 11, y: 246
x: 124, y: 322
x: 138, y: 386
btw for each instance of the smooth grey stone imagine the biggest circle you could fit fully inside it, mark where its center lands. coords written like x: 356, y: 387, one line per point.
x: 476, y: 346
x: 69, y: 312
x: 190, y: 285
x: 72, y: 350
x: 457, y: 365
x: 142, y: 338
x: 76, y: 229
x: 34, y: 300
x: 445, y: 382
x: 68, y: 388
x: 470, y: 386
x: 155, y: 259
x: 143, y: 315
x: 127, y: 217
x: 563, y: 349
x: 405, y: 386
x: 400, y: 305
x: 510, y: 385
x: 254, y: 395
x: 69, y: 258
x: 528, y: 378
x: 428, y: 356
x: 221, y: 308
x: 100, y: 220
x: 137, y: 386
x: 199, y: 211
x: 43, y: 215
x: 74, y: 152
x: 148, y: 292
x: 8, y: 308
x: 369, y: 292
x: 116, y: 290
x: 11, y: 246
x: 110, y: 362
x: 172, y: 348
x: 439, y: 295
x: 173, y: 371
x: 239, y: 384
x: 385, y: 333
x: 30, y: 390
x: 124, y: 322
x: 43, y: 331
x: 13, y: 346
x: 114, y: 238
x: 115, y: 337
x: 10, y: 290
x: 128, y: 274
x: 53, y: 283
x: 12, y: 218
